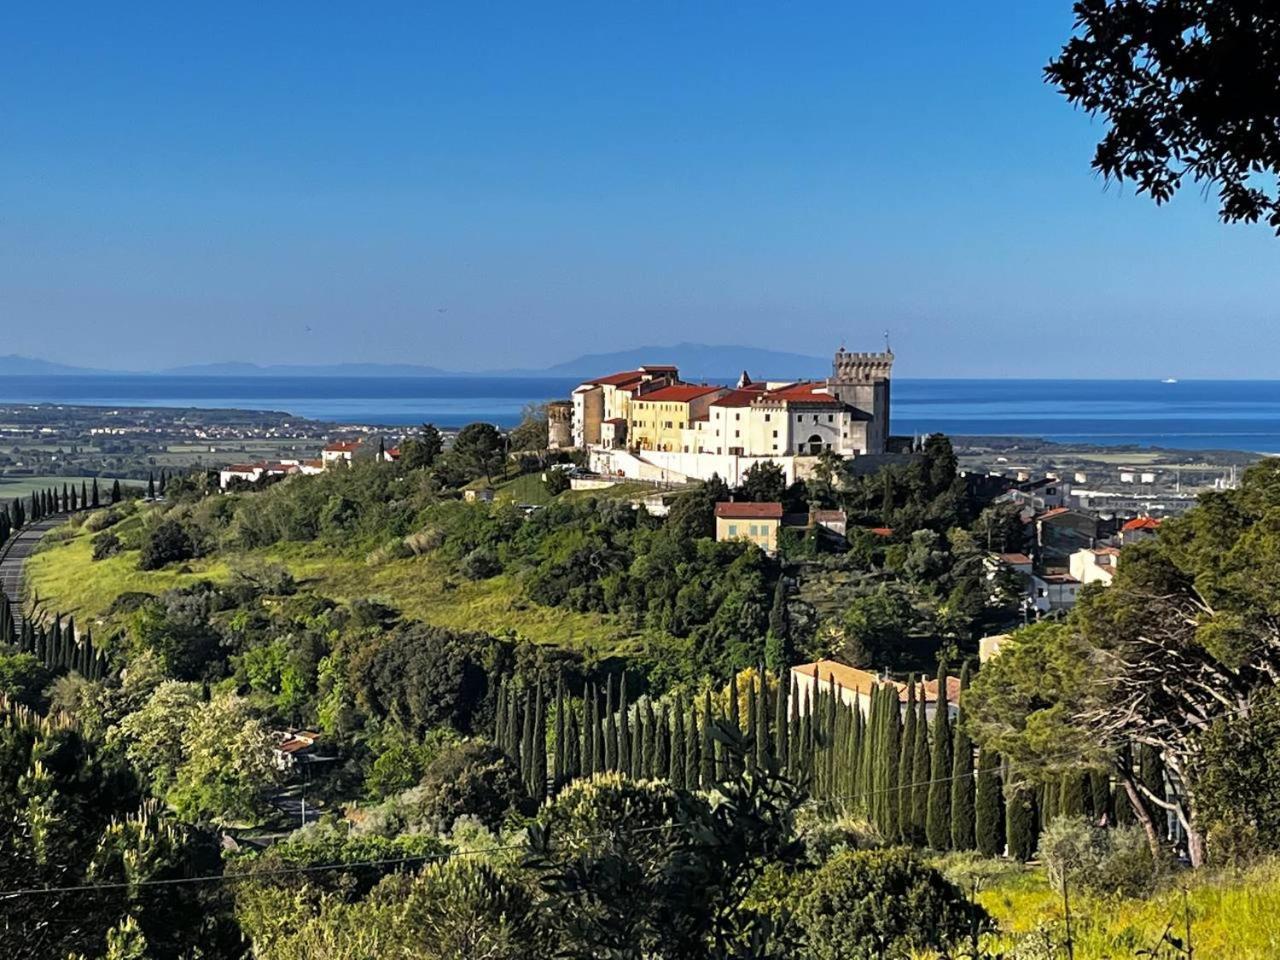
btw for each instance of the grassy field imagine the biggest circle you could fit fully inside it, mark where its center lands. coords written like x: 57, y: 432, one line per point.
x: 66, y: 578
x: 18, y: 486
x: 1234, y: 915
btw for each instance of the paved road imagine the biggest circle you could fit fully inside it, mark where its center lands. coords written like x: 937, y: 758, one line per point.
x: 14, y: 554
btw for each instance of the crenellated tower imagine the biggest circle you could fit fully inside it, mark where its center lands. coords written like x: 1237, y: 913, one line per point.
x: 861, y: 380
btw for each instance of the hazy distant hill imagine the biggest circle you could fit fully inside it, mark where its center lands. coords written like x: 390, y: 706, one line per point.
x: 12, y: 365
x: 696, y: 361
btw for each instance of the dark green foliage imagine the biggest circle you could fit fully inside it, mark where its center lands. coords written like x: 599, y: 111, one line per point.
x: 167, y: 542
x: 989, y: 819
x: 479, y: 449
x: 880, y: 903
x: 938, y: 818
x: 1022, y: 829
x: 906, y: 769
x: 679, y: 746
x: 1072, y: 794
x: 962, y: 782
x: 472, y: 779
x: 624, y: 730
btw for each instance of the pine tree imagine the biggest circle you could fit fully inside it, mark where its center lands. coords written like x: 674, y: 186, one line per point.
x: 988, y: 832
x: 938, y: 819
x: 963, y: 811
x: 679, y: 749
x: 921, y: 771
x: 1021, y: 825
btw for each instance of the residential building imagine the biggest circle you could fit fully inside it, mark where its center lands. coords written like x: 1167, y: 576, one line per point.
x: 659, y: 419
x: 757, y: 522
x: 1054, y: 592
x: 834, y: 520
x: 1062, y: 531
x: 853, y: 686
x: 989, y: 647
x: 1139, y: 529
x: 609, y: 398
x: 1095, y: 564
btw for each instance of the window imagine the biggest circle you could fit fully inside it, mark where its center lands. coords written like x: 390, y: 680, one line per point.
x: 831, y: 418
x: 755, y: 532
x: 733, y: 529
x: 766, y: 420
x: 775, y: 436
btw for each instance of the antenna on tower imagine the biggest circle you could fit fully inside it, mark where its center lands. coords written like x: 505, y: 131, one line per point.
x: 886, y: 342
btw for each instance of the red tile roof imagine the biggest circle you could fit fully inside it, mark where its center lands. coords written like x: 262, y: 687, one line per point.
x: 738, y: 398
x: 731, y: 510
x: 1015, y: 559
x: 1142, y: 523
x: 342, y: 446
x: 881, y: 531
x: 812, y: 392
x: 617, y: 379
x: 677, y: 393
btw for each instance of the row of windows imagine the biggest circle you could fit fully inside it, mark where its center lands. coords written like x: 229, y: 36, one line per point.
x: 752, y: 530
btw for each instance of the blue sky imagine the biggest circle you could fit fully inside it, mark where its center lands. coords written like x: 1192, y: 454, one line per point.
x: 490, y: 185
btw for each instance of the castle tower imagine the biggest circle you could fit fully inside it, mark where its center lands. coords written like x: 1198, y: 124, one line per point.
x: 861, y: 380
x: 559, y: 425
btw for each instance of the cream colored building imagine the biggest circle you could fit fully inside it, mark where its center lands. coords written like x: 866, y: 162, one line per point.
x: 757, y: 522
x: 609, y: 399
x: 1095, y: 564
x: 659, y: 419
x: 853, y: 687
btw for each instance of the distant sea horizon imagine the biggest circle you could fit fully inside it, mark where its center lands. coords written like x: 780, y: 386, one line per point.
x: 1189, y: 414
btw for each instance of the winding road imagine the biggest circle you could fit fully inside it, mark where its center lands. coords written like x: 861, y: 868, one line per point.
x: 13, y: 555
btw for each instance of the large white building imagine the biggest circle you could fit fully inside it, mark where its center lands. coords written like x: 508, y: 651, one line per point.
x: 647, y: 424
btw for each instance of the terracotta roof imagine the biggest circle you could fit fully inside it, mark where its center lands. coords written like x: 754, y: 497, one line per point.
x: 829, y: 516
x: 342, y: 446
x: 737, y: 398
x: 1055, y: 512
x: 810, y: 392
x: 881, y: 531
x: 1014, y: 559
x: 1142, y: 523
x: 679, y: 393
x: 616, y: 379
x: 732, y: 510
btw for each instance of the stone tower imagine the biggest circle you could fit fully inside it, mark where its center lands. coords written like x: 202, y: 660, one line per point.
x: 559, y: 425
x: 861, y: 380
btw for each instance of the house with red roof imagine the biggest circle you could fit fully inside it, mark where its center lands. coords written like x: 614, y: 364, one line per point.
x: 1139, y: 529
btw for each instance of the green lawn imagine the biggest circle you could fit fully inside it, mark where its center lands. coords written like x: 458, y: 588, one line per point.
x: 67, y: 579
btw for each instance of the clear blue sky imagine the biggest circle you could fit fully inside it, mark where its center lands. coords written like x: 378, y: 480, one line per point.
x: 480, y: 185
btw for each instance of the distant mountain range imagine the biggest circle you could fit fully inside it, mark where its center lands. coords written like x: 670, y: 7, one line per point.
x: 697, y: 361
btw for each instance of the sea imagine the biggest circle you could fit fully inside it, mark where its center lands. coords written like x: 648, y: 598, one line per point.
x: 1189, y: 414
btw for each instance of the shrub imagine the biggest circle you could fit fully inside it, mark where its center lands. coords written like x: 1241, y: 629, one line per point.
x: 474, y: 779
x: 168, y: 542
x: 556, y: 482
x: 866, y: 903
x: 481, y: 564
x: 106, y: 545
x: 1096, y: 859
x: 100, y: 520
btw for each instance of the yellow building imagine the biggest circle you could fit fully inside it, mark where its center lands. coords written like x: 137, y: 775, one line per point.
x: 757, y: 522
x: 657, y: 418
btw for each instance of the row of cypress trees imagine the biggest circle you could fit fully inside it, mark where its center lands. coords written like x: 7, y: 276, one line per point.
x: 44, y: 503
x: 56, y: 646
x: 154, y: 489
x: 914, y: 776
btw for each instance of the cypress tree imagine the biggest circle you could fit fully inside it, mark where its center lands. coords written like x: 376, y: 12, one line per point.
x: 906, y: 764
x: 777, y: 647
x: 1100, y: 798
x: 890, y: 761
x: 829, y: 742
x: 559, y: 771
x: 1020, y: 825
x: 871, y: 768
x: 1151, y: 777
x: 763, y: 748
x: 589, y: 726
x: 661, y: 745
x: 598, y: 739
x: 636, y: 769
x: 1071, y: 794
x: 151, y: 487
x: 1050, y: 796
x: 610, y: 728
x: 795, y: 745
x: 539, y: 763
x: 74, y: 502
x: 921, y: 771
x: 84, y: 496
x: 802, y: 745
x: 527, y: 733
x: 624, y: 729
x: 500, y: 718
x: 650, y: 744
x: 781, y: 725
x: 572, y: 747
x: 857, y: 748
x: 733, y: 761
x: 938, y: 820
x: 115, y: 491
x: 162, y: 481
x: 711, y: 773
x: 94, y: 497
x: 679, y: 749
x: 988, y: 831
x: 750, y: 730
x: 693, y: 755
x: 963, y: 811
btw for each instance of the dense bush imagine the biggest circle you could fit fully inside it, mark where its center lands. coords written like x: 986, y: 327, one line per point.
x: 473, y: 779
x: 863, y: 904
x: 167, y: 542
x: 1097, y: 859
x: 106, y: 545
